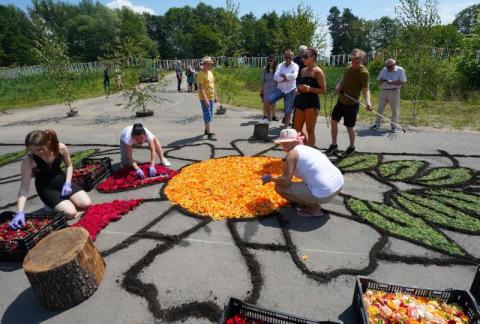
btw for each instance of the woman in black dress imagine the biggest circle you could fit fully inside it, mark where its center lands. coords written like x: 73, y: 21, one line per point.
x: 54, y: 186
x: 311, y: 84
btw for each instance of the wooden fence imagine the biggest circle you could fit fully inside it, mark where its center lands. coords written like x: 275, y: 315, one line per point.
x: 333, y: 60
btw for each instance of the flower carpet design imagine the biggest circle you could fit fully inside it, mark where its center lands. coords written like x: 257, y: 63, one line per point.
x: 227, y: 188
x: 422, y: 205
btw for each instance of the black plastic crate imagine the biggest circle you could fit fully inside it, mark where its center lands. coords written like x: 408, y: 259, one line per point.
x: 236, y: 306
x: 16, y: 250
x: 90, y: 180
x: 461, y: 297
x: 475, y: 289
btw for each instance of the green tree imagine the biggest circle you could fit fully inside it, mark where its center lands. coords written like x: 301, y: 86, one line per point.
x: 385, y: 33
x: 16, y: 37
x: 133, y: 30
x: 467, y: 19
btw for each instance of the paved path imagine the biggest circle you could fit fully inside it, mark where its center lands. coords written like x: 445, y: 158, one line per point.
x: 302, y: 266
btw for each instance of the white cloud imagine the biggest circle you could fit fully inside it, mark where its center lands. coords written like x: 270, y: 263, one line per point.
x: 449, y: 9
x: 118, y: 4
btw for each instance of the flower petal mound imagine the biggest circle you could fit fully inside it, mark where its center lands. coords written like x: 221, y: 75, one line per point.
x: 227, y: 187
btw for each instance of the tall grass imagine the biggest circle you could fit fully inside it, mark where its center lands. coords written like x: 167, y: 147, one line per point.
x: 37, y: 90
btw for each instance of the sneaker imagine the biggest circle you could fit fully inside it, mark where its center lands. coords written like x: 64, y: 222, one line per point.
x: 274, y: 118
x: 375, y: 127
x: 264, y: 121
x: 212, y: 137
x: 394, y: 130
x: 349, y: 150
x: 205, y: 132
x: 166, y: 163
x: 332, y: 149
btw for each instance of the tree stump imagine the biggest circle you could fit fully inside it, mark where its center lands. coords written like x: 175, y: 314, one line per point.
x: 65, y: 268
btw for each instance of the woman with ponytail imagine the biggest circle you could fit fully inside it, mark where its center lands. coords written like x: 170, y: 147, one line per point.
x: 322, y: 181
x: 136, y: 134
x: 54, y: 186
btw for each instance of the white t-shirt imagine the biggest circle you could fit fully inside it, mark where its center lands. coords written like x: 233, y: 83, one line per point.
x: 397, y: 74
x: 317, y: 172
x: 291, y: 72
x: 126, y: 136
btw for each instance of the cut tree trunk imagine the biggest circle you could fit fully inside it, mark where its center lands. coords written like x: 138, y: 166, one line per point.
x: 260, y: 131
x: 65, y: 268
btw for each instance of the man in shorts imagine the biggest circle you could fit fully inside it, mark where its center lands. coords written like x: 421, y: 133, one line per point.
x: 354, y: 81
x: 286, y: 77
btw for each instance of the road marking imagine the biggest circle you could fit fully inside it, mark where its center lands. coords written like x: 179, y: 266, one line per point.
x: 319, y: 251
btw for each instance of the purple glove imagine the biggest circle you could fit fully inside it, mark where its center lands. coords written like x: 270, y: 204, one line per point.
x: 67, y: 189
x: 152, y: 171
x: 140, y: 173
x: 266, y: 178
x: 18, y: 221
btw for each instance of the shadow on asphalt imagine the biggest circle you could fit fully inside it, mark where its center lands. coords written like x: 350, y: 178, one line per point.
x: 26, y: 309
x: 369, y: 132
x: 348, y: 316
x: 10, y: 266
x: 188, y: 140
x: 294, y: 222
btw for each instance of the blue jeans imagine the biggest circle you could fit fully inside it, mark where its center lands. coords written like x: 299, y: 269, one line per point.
x: 207, y: 110
x: 288, y: 99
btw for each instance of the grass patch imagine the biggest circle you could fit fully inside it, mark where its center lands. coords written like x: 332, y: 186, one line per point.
x: 401, y: 170
x: 358, y: 162
x: 402, y: 225
x: 10, y: 157
x: 437, y: 212
x: 77, y: 157
x: 445, y: 177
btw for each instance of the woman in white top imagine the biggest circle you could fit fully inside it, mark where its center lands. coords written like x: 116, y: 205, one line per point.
x: 137, y: 135
x: 322, y: 180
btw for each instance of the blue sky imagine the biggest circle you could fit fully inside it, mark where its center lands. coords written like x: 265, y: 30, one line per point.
x: 369, y: 9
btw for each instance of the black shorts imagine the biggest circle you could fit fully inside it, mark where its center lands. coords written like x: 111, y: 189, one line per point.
x: 348, y: 112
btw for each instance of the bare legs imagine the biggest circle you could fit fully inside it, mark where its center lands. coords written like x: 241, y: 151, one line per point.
x: 158, y: 149
x: 79, y: 200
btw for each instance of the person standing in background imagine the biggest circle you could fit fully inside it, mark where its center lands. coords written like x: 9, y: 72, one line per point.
x: 267, y: 85
x: 390, y: 80
x: 207, y: 94
x: 178, y: 72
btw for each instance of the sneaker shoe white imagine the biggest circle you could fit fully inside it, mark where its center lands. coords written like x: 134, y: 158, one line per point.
x: 375, y: 127
x: 264, y: 121
x: 166, y: 163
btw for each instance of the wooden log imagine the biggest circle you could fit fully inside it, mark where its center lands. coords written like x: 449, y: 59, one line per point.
x: 65, y: 268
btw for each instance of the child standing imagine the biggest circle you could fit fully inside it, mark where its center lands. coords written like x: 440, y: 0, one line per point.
x: 207, y: 94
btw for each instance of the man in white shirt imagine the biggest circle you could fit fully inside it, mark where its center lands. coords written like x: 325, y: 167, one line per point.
x: 390, y: 80
x: 286, y: 76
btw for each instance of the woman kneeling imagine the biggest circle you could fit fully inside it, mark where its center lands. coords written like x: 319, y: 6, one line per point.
x: 53, y: 185
x: 322, y: 180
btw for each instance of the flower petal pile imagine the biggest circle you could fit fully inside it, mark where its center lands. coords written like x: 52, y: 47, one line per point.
x: 98, y: 216
x: 227, y: 187
x: 383, y: 307
x: 242, y: 319
x: 126, y: 178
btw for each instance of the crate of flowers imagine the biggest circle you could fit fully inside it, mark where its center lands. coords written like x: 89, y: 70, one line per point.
x: 238, y: 312
x: 91, y: 172
x: 376, y: 302
x: 14, y: 244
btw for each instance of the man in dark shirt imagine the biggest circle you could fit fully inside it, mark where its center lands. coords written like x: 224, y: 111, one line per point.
x: 354, y: 81
x: 178, y: 71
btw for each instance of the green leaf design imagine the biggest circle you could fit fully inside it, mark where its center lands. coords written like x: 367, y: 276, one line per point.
x: 435, y: 211
x: 401, y: 170
x: 469, y: 202
x: 358, y: 162
x: 10, y: 157
x: 77, y: 157
x: 400, y: 224
x: 446, y: 177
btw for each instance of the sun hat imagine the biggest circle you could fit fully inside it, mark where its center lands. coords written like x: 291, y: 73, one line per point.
x: 289, y: 135
x: 207, y: 59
